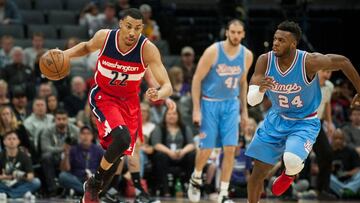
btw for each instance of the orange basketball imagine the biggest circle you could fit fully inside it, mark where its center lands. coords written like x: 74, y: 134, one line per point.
x: 54, y: 64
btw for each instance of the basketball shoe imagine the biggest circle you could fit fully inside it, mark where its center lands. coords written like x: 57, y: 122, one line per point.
x: 91, y: 191
x: 144, y: 197
x: 193, y: 191
x: 281, y: 184
x: 224, y: 199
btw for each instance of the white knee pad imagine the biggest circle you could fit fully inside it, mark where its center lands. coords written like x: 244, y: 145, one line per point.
x: 293, y: 163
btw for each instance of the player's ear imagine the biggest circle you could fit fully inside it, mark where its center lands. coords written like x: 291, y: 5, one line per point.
x: 120, y: 23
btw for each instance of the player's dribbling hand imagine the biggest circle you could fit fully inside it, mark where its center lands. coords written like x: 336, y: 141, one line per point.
x: 266, y: 83
x: 152, y: 94
x: 196, y: 118
x: 355, y: 102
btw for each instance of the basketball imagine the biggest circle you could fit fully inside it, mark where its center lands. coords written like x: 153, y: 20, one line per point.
x: 54, y: 64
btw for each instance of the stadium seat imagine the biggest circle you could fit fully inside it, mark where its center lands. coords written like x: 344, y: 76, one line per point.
x: 17, y: 31
x: 163, y: 47
x: 46, y: 5
x: 171, y: 60
x: 318, y: 5
x: 264, y: 5
x: 62, y: 17
x: 68, y: 31
x: 24, y: 43
x: 76, y: 5
x: 23, y: 4
x: 49, y: 31
x: 193, y: 5
x: 55, y: 43
x: 32, y: 17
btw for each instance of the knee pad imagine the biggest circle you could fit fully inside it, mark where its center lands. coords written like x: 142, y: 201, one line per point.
x: 293, y: 163
x: 121, y: 141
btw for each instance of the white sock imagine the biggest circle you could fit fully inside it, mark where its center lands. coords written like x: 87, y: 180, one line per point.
x: 197, y: 174
x: 137, y: 191
x: 224, y: 187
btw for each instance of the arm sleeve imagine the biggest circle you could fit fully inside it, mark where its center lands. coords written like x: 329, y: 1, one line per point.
x: 254, y: 96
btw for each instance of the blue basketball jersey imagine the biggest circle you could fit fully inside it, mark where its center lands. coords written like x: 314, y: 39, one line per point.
x: 222, y: 81
x: 293, y: 95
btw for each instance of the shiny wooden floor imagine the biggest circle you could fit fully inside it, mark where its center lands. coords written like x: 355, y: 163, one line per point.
x: 173, y: 200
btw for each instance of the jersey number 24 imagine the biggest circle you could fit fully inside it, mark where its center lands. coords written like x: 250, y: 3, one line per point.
x: 284, y: 101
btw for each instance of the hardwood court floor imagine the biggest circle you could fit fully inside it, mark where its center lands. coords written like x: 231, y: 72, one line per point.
x: 173, y: 200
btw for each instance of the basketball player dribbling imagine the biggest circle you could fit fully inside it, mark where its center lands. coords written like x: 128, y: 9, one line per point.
x: 114, y: 99
x: 288, y: 77
x: 220, y: 78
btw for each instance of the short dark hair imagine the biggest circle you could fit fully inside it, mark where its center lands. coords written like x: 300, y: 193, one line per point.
x: 37, y: 34
x: 292, y: 27
x: 9, y: 133
x: 85, y: 127
x: 234, y: 21
x: 39, y: 99
x: 61, y: 111
x: 110, y: 5
x: 134, y: 13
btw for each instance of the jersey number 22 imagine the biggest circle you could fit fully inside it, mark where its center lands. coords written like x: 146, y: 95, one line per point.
x: 122, y: 80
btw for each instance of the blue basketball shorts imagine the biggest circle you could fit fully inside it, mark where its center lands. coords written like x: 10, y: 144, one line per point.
x: 219, y: 123
x: 277, y: 135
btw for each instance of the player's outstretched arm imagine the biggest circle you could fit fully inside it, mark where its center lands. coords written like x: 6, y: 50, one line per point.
x: 85, y: 48
x: 259, y: 83
x: 152, y: 59
x: 316, y: 61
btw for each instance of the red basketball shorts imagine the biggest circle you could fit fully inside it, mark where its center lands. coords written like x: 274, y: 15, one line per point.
x: 112, y: 112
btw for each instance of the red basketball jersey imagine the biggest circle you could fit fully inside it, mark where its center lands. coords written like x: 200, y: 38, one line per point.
x: 119, y: 74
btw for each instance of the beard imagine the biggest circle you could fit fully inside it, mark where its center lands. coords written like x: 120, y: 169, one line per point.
x: 233, y: 43
x: 285, y: 52
x: 61, y: 127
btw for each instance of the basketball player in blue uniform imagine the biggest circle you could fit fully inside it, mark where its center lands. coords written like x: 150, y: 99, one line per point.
x: 221, y: 72
x: 288, y: 76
